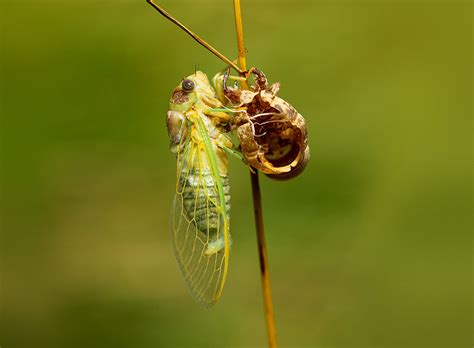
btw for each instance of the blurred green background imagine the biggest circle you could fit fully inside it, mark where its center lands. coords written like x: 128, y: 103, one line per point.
x: 370, y: 247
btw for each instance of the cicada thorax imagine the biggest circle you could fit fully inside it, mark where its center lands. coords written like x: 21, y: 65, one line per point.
x: 272, y: 134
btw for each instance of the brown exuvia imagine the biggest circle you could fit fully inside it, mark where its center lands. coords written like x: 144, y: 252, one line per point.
x: 272, y: 134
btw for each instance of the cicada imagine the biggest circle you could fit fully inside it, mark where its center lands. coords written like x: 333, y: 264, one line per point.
x: 199, y: 223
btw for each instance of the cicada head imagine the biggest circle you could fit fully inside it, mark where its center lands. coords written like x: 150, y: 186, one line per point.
x: 272, y: 134
x: 193, y: 93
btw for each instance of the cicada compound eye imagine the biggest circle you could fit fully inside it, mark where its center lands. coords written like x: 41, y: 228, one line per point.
x: 187, y: 85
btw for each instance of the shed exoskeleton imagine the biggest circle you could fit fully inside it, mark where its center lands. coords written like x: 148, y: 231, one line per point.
x: 272, y: 134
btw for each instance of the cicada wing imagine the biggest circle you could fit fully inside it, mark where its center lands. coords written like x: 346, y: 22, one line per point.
x: 203, y: 271
x: 198, y: 227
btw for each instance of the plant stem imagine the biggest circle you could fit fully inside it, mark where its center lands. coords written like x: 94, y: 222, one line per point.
x: 257, y: 202
x: 240, y: 35
x: 262, y: 253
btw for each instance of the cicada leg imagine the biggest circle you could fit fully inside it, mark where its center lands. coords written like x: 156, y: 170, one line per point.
x: 227, y: 95
x: 260, y: 80
x: 235, y: 153
x: 221, y: 116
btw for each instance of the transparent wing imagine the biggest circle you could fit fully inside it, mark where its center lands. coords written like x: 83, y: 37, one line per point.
x: 199, y: 226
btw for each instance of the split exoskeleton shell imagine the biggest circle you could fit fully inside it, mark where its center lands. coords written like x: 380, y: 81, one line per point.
x: 272, y: 134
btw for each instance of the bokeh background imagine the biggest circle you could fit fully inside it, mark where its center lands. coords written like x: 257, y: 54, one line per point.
x: 370, y: 247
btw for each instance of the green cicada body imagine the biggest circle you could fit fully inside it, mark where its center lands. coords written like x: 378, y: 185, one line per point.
x: 200, y: 213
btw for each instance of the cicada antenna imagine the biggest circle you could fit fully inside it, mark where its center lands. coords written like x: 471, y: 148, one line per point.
x: 202, y: 42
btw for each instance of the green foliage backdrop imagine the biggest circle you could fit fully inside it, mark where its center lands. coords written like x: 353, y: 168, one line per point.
x: 369, y: 247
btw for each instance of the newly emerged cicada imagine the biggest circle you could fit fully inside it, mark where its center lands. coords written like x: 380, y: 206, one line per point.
x: 200, y: 213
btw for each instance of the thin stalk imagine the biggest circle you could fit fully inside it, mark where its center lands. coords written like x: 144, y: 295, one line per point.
x: 263, y: 257
x: 239, y: 28
x: 257, y: 202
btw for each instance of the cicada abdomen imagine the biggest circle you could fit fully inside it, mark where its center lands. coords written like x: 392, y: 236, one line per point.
x: 200, y: 197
